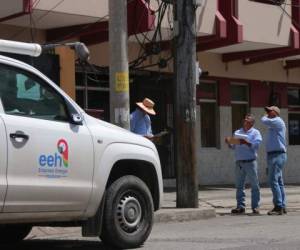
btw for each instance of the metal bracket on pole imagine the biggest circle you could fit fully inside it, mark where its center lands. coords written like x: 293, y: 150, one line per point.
x: 198, y: 72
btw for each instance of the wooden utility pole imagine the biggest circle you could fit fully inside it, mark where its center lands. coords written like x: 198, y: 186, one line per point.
x: 118, y: 69
x: 185, y: 103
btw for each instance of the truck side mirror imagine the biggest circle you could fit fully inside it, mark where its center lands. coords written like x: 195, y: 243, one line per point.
x: 76, y: 119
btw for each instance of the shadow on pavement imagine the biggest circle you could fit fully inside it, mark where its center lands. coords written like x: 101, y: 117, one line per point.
x: 56, y: 245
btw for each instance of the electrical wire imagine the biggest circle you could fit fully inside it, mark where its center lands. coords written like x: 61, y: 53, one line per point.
x: 289, y: 15
x: 77, y: 31
x: 32, y: 28
x: 35, y: 3
x: 137, y: 27
x: 284, y: 3
x: 169, y: 18
x: 13, y: 37
x: 154, y: 64
x: 80, y: 29
x: 156, y: 36
x: 143, y: 54
x: 49, y: 11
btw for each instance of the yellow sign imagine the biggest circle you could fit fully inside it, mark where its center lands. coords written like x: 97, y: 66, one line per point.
x: 122, y: 82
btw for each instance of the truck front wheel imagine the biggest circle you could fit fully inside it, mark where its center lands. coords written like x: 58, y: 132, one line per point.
x: 128, y: 214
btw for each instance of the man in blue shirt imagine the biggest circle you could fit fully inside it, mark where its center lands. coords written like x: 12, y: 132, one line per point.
x: 276, y: 157
x: 246, y: 142
x: 140, y: 122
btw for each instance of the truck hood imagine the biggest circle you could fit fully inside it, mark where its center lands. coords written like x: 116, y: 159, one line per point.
x: 110, y: 133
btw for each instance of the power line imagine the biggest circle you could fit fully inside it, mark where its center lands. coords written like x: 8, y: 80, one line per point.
x: 157, y: 34
x: 47, y: 13
x: 286, y: 12
x: 35, y: 3
x: 285, y: 3
x: 71, y: 34
x: 32, y: 28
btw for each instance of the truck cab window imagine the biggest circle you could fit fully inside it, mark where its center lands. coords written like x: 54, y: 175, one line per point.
x: 27, y: 88
x: 26, y: 95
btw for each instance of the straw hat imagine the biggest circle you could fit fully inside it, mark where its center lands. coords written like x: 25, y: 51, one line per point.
x: 147, y: 105
x: 273, y: 108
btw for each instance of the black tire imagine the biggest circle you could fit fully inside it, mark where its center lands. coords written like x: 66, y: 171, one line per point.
x: 128, y: 213
x: 13, y: 233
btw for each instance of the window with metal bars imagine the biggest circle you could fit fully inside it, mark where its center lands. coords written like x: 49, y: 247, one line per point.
x: 294, y: 115
x: 92, y: 92
x: 239, y: 104
x: 208, y: 113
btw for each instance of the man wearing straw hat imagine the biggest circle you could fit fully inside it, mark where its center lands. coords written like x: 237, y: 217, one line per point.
x: 140, y: 122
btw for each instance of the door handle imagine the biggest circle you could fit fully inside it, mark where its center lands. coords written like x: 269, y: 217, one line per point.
x: 19, y: 136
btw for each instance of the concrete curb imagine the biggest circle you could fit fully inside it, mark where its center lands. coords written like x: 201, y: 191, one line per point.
x: 164, y: 215
x: 183, y: 214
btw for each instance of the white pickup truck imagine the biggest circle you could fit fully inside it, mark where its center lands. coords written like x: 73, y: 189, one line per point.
x: 62, y: 167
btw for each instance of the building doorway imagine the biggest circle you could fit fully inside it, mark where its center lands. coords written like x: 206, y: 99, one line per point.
x: 157, y: 87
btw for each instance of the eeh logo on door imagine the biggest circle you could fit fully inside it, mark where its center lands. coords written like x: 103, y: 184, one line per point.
x: 63, y: 149
x: 55, y: 165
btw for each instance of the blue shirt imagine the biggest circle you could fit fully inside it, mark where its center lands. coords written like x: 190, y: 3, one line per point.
x: 275, y: 140
x: 243, y: 151
x: 140, y: 123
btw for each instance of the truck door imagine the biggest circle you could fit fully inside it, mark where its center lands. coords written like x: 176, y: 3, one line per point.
x: 50, y: 161
x: 3, y: 161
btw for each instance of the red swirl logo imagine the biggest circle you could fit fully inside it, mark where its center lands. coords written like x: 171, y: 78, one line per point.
x: 63, y: 149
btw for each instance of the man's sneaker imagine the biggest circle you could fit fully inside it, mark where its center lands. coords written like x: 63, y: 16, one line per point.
x: 238, y: 210
x: 255, y: 210
x: 276, y: 211
x: 284, y: 210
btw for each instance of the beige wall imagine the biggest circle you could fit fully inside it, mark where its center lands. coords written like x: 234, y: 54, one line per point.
x: 100, y: 53
x: 97, y: 8
x: 262, y: 23
x: 21, y: 34
x: 205, y: 17
x: 211, y: 62
x: 100, y: 56
x: 267, y: 71
x: 216, y: 165
x: 265, y: 23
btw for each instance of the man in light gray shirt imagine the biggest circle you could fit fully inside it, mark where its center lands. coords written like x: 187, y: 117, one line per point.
x: 276, y: 157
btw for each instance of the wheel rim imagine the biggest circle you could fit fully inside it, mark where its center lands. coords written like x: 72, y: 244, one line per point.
x: 129, y: 213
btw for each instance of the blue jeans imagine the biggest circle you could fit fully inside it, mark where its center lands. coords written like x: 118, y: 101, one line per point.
x: 276, y: 163
x: 243, y: 170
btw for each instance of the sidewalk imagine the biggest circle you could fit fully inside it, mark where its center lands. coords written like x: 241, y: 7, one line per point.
x: 215, y: 201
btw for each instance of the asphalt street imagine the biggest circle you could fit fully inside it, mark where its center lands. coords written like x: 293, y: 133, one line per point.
x: 229, y: 232
x: 223, y: 232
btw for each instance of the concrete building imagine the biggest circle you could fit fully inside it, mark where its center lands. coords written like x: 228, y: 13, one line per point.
x: 248, y: 50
